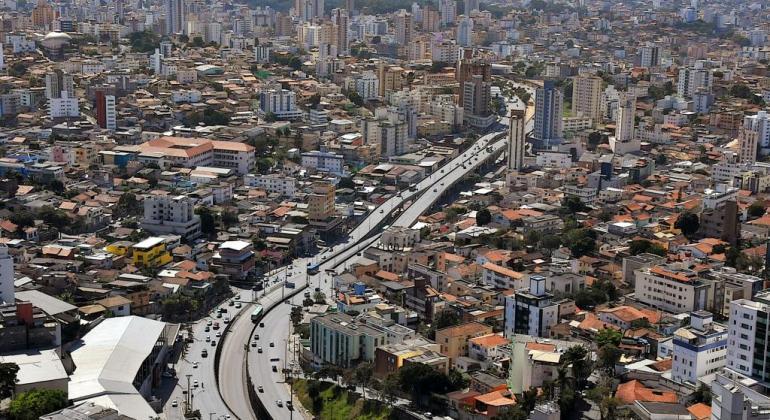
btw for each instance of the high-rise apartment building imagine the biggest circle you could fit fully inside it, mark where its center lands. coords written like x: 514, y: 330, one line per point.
x: 308, y: 9
x: 587, y: 97
x: 748, y: 341
x: 476, y: 97
x: 692, y: 78
x: 465, y: 32
x: 340, y: 21
x: 58, y: 81
x: 321, y: 201
x: 699, y: 349
x: 404, y: 27
x: 548, y: 114
x: 176, y: 16
x: 625, y: 140
x: 106, y: 114
x: 516, y: 140
x: 447, y: 9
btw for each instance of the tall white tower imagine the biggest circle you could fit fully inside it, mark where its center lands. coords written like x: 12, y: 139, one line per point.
x: 624, y: 140
x: 7, y: 293
x: 516, y: 140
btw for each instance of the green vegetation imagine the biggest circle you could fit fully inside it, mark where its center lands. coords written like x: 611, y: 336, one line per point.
x: 641, y: 246
x: 8, y: 373
x: 208, y: 117
x: 600, y: 292
x: 688, y: 223
x: 145, y: 41
x: 32, y: 404
x: 757, y: 209
x: 332, y: 402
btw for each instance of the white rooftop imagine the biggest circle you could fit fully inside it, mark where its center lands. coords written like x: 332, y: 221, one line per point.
x: 149, y: 242
x: 108, y: 358
x: 234, y: 245
x: 36, y: 366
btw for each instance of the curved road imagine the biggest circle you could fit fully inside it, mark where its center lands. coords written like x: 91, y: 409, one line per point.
x: 277, y: 324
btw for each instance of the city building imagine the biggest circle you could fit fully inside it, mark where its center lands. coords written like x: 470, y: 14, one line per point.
x: 279, y: 102
x: 699, y: 350
x: 625, y: 140
x: 324, y: 162
x: 106, y: 115
x: 64, y: 106
x: 191, y: 152
x: 548, y: 114
x: 532, y: 311
x: 693, y: 78
x: 118, y: 364
x: 476, y: 102
x: 7, y: 294
x: 672, y: 287
x: 748, y: 350
x: 342, y: 340
x: 171, y: 215
x: 587, y: 98
x: 284, y: 186
x: 150, y: 252
x: 321, y: 201
x: 453, y: 341
x: 176, y: 16
x: 235, y: 259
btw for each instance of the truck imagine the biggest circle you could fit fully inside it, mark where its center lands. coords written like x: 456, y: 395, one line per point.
x: 290, y: 285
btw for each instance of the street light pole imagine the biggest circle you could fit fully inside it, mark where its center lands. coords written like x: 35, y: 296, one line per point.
x: 188, y: 403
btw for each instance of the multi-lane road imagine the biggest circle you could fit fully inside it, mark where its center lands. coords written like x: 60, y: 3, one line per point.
x: 238, y: 356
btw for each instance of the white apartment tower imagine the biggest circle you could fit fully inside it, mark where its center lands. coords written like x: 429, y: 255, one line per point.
x: 516, y: 140
x: 748, y: 345
x: 624, y: 140
x: 699, y: 349
x: 692, y: 78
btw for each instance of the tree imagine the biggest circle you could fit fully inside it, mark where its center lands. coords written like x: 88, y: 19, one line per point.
x: 32, y: 404
x: 757, y: 209
x: 308, y: 302
x: 362, y: 375
x: 609, y: 407
x: 197, y: 42
x: 269, y: 117
x: 354, y: 97
x: 8, y: 373
x: 22, y: 219
x: 229, y: 218
x: 390, y: 387
x: 572, y: 205
x: 127, y: 205
x: 577, y: 356
x: 739, y: 90
x: 143, y: 42
x: 208, y: 222
x: 609, y: 354
x: 18, y: 69
x: 594, y: 139
x: 688, y: 223
x: 319, y: 297
x: 641, y: 246
x: 579, y: 241
x: 550, y: 242
x: 296, y: 315
x: 483, y: 217
x: 607, y: 336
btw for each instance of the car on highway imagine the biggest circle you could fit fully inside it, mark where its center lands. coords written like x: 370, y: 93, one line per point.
x: 208, y: 338
x: 272, y: 344
x: 208, y: 324
x: 204, y: 353
x: 195, y: 383
x: 213, y: 343
x: 238, y: 305
x: 219, y: 315
x: 256, y: 336
x: 238, y: 296
x: 231, y: 303
x: 289, y: 405
x: 262, y: 325
x: 195, y: 365
x: 260, y: 389
x: 174, y: 403
x: 275, y: 369
x: 279, y: 403
x: 219, y: 334
x: 227, y: 320
x: 216, y: 325
x: 259, y: 350
x: 207, y: 329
